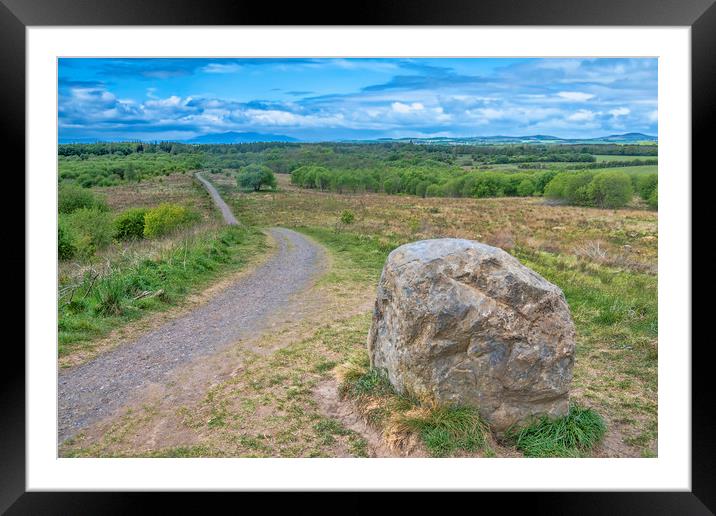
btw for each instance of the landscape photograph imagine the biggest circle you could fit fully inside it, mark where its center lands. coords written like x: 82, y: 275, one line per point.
x: 357, y: 257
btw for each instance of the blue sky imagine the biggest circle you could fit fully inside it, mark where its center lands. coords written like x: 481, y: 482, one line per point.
x: 327, y: 99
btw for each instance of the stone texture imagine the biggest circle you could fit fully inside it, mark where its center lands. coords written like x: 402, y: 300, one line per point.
x: 465, y: 323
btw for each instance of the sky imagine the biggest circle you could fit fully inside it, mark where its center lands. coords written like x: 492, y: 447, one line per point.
x: 320, y: 99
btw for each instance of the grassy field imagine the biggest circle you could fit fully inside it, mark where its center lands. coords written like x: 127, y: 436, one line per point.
x: 285, y: 403
x: 619, y: 157
x: 605, y: 261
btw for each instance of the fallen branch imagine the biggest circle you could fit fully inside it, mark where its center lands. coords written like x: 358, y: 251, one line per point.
x: 148, y: 294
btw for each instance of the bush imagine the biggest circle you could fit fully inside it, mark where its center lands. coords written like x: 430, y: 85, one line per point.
x: 556, y: 187
x: 255, y: 176
x: 526, y: 188
x: 577, y: 189
x: 129, y: 224
x: 646, y: 185
x: 432, y: 191
x: 165, y: 218
x: 611, y: 189
x: 653, y: 200
x: 66, y: 248
x: 92, y: 230
x: 71, y: 198
x: 347, y: 217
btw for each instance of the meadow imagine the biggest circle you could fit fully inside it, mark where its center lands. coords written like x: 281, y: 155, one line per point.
x: 604, y: 259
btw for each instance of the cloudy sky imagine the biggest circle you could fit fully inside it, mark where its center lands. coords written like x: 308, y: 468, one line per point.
x: 327, y: 99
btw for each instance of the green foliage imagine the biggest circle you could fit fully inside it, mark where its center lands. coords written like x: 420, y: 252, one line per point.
x: 432, y: 191
x: 526, y: 187
x: 347, y: 217
x: 645, y: 185
x: 90, y: 230
x: 129, y: 224
x: 72, y: 197
x: 115, y: 166
x: 166, y: 218
x: 568, y: 436
x: 253, y: 177
x: 102, y: 303
x: 611, y: 189
x: 66, y: 248
x: 608, y: 189
x: 653, y: 200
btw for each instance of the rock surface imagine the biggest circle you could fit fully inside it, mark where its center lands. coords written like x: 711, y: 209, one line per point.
x: 465, y: 323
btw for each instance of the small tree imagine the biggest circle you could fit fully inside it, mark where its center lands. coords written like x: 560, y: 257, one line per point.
x: 253, y: 177
x: 611, y: 189
x: 526, y: 187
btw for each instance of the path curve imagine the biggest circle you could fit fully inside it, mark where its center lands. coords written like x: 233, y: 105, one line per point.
x: 226, y: 212
x: 96, y: 389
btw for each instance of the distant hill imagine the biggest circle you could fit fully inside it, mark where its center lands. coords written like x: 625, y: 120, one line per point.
x: 531, y: 139
x: 249, y: 137
x: 234, y: 137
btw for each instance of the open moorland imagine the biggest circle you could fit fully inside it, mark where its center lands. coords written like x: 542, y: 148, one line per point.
x: 298, y: 383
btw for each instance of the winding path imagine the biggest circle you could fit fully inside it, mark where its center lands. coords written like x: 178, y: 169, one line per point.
x: 96, y: 389
x: 226, y: 212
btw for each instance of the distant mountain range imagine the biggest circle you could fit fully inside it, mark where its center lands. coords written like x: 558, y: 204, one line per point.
x: 234, y: 137
x: 248, y: 137
x: 532, y: 139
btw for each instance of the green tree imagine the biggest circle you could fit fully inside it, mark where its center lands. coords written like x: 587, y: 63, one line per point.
x: 526, y: 187
x: 255, y: 176
x: 611, y: 189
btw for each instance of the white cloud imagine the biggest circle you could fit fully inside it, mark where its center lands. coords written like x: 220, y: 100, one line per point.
x: 621, y: 111
x: 575, y: 96
x: 653, y: 116
x: 583, y: 115
x: 399, y: 107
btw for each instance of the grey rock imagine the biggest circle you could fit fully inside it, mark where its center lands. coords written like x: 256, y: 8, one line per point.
x: 464, y: 323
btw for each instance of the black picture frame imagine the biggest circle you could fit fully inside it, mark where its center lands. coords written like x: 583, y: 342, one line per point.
x: 700, y: 15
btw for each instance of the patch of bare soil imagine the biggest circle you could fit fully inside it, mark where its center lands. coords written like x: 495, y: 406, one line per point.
x: 330, y: 404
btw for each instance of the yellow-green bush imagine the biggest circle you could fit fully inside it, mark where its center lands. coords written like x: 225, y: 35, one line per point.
x: 130, y: 224
x: 166, y: 218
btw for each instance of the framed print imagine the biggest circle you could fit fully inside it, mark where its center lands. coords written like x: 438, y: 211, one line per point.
x: 422, y: 251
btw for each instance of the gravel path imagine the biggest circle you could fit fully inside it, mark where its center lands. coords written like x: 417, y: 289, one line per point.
x: 218, y: 201
x: 96, y: 389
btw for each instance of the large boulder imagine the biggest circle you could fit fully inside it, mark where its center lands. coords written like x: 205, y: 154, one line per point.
x: 465, y: 323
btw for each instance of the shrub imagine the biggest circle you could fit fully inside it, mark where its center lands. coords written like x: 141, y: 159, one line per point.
x: 65, y: 240
x: 130, y: 224
x: 653, y: 200
x: 526, y: 188
x: 92, y: 230
x: 347, y: 217
x: 253, y: 177
x: 555, y: 188
x: 72, y: 197
x: 646, y: 185
x: 165, y: 218
x: 611, y: 189
x: 577, y: 189
x: 432, y: 191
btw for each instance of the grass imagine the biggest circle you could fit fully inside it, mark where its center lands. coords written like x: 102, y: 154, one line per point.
x: 443, y: 430
x: 573, y: 435
x: 106, y: 299
x: 604, y: 261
